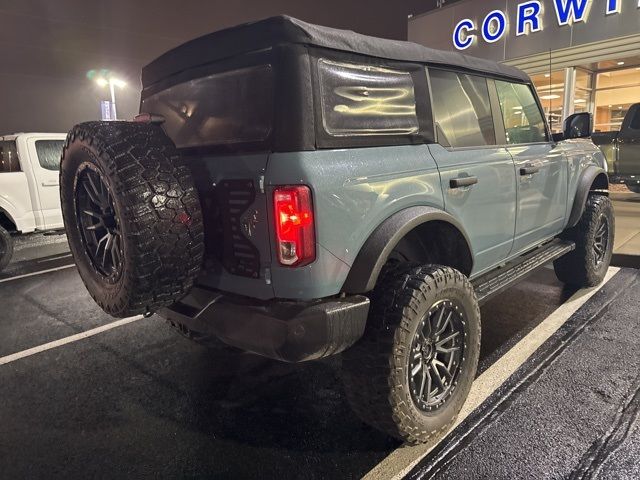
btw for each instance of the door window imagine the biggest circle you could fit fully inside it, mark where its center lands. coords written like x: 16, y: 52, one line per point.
x: 9, y: 157
x: 523, y: 119
x: 49, y: 153
x: 462, y: 109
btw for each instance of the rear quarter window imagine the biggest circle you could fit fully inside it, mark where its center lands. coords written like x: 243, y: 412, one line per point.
x: 49, y: 153
x: 362, y: 100
x: 9, y: 157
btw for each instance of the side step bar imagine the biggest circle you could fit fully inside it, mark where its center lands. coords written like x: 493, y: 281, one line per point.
x: 498, y: 280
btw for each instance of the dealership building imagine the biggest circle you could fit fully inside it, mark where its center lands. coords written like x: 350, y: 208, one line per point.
x: 582, y: 55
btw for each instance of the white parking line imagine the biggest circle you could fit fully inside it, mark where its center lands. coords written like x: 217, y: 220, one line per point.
x: 64, y: 341
x: 54, y: 258
x: 39, y: 272
x: 401, y: 461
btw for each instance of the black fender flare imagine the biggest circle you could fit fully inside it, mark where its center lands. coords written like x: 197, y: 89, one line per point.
x: 585, y: 182
x: 377, y: 248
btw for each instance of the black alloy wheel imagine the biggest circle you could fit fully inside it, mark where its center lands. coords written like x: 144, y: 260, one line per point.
x: 593, y: 235
x: 411, y: 372
x: 98, y: 223
x: 132, y: 215
x: 601, y: 240
x: 436, y: 355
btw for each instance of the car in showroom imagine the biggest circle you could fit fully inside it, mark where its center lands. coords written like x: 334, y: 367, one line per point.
x: 29, y: 187
x: 300, y: 191
x: 622, y: 150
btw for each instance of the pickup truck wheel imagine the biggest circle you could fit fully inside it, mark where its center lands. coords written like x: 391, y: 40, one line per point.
x: 587, y: 265
x: 411, y: 372
x: 132, y: 215
x: 6, y: 248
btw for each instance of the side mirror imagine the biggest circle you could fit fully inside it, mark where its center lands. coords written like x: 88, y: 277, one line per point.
x: 578, y: 125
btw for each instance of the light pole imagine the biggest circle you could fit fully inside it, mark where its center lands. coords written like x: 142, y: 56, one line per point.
x: 112, y: 82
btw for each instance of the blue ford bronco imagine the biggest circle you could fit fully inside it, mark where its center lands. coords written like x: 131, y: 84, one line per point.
x: 299, y: 191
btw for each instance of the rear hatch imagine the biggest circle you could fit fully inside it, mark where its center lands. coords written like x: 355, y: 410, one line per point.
x: 222, y: 123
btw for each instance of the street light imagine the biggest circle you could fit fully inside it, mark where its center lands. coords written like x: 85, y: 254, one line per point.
x: 112, y: 82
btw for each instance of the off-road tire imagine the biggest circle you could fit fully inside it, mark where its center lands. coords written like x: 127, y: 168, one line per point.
x: 156, y: 207
x: 375, y: 370
x: 578, y: 268
x: 634, y: 188
x: 6, y: 248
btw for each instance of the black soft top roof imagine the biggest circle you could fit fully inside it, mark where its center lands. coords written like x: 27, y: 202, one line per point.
x: 288, y: 30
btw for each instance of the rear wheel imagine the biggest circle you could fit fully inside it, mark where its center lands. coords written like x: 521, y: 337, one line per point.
x: 411, y: 373
x: 634, y: 188
x: 587, y: 265
x: 6, y: 248
x: 132, y: 215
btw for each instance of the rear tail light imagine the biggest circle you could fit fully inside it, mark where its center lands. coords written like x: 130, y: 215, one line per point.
x: 295, y: 235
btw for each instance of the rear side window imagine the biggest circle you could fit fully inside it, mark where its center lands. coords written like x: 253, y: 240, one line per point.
x: 49, y: 153
x: 462, y: 108
x: 223, y: 108
x: 523, y: 119
x: 9, y: 157
x: 366, y: 100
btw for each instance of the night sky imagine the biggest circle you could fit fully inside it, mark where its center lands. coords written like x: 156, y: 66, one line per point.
x: 48, y: 46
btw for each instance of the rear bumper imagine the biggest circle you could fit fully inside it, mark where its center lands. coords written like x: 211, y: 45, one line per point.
x: 282, y: 330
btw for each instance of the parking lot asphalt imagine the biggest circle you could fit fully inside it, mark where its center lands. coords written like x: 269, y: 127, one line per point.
x: 141, y: 401
x: 571, y: 411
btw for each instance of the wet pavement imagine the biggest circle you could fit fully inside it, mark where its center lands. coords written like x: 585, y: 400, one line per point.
x: 571, y: 411
x: 141, y: 401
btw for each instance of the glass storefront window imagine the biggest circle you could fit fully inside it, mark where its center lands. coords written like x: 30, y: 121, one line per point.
x: 616, y: 91
x: 550, y: 88
x: 583, y: 91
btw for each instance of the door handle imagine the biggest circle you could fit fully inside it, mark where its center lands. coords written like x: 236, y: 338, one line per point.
x: 529, y: 170
x: 50, y: 183
x: 462, y: 182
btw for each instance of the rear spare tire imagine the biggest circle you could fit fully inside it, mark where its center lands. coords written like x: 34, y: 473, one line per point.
x: 132, y: 215
x: 6, y: 248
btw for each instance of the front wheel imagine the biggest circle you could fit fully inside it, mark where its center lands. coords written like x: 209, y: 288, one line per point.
x: 6, y: 248
x: 412, y: 371
x: 634, y: 188
x: 587, y: 265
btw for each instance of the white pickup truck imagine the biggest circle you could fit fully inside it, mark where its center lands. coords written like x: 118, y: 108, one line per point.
x: 29, y: 186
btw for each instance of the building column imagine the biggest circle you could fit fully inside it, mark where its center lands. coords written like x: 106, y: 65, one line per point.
x: 568, y: 105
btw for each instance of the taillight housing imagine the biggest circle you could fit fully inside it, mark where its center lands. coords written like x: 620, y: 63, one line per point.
x: 295, y: 231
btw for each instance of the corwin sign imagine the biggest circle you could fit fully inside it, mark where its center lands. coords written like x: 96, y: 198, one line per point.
x: 528, y: 20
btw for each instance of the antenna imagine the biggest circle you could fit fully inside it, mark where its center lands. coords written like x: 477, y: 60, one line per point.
x: 550, y: 100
